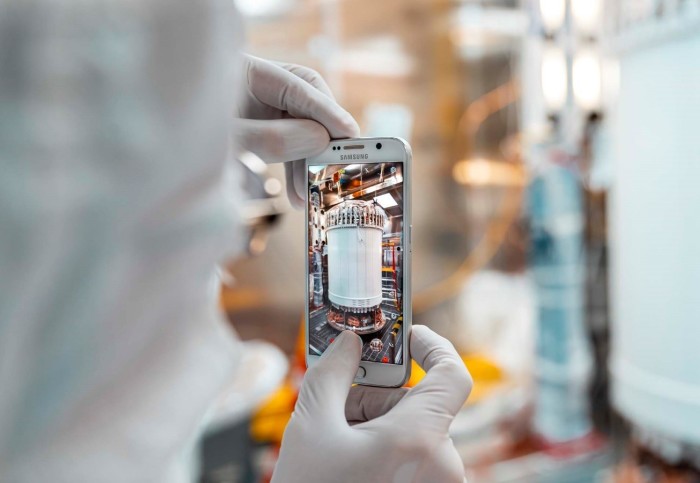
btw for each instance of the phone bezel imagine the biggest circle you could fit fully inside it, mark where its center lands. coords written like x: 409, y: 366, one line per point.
x: 394, y: 150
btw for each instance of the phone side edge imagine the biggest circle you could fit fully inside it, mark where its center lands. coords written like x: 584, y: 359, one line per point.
x: 306, y: 263
x: 408, y: 263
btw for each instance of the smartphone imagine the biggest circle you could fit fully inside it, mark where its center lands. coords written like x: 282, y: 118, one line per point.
x: 358, y: 242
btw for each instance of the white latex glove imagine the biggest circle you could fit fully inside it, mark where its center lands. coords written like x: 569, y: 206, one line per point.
x: 288, y: 113
x: 369, y: 434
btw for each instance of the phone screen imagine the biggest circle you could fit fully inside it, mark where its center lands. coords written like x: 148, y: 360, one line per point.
x: 356, y: 257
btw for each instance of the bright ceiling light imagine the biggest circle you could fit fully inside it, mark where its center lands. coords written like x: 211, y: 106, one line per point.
x: 587, y: 14
x: 386, y: 200
x: 553, y: 13
x: 479, y: 30
x: 554, y: 78
x: 610, y: 80
x: 586, y: 79
x: 259, y: 8
x: 350, y: 167
x: 484, y: 172
x: 316, y: 169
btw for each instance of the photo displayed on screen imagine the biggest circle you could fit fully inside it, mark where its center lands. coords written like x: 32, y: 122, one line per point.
x: 356, y: 257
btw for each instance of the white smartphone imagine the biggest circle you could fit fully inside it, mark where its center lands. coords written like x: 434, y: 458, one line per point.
x: 358, y: 241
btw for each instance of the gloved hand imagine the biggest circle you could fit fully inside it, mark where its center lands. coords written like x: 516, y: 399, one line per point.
x: 288, y: 113
x: 369, y: 434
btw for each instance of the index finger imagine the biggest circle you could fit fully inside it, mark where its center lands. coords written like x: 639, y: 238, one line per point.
x: 447, y: 383
x: 281, y: 89
x: 310, y: 76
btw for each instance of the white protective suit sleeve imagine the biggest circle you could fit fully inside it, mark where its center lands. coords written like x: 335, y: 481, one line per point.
x: 114, y: 124
x: 373, y: 434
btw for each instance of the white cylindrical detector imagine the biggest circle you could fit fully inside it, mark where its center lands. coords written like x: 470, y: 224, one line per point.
x: 355, y: 255
x: 354, y: 237
x: 655, y: 225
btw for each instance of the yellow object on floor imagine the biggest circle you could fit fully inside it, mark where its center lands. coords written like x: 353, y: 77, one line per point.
x: 268, y: 423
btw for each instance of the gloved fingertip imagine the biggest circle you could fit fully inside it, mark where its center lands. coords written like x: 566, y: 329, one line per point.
x: 346, y: 345
x: 356, y: 129
x: 327, y: 382
x: 430, y: 351
x: 310, y: 138
x: 425, y: 344
x: 342, y: 125
x: 349, y: 339
x: 420, y: 331
x: 340, y: 360
x: 350, y: 128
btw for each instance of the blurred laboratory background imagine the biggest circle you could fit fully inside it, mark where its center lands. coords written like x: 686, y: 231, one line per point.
x: 555, y: 222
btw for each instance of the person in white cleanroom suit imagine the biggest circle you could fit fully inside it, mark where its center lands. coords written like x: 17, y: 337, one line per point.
x: 116, y: 120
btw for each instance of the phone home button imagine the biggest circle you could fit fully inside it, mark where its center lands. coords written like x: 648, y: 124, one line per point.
x: 361, y: 373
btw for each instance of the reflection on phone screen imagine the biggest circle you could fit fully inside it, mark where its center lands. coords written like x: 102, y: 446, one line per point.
x: 356, y: 257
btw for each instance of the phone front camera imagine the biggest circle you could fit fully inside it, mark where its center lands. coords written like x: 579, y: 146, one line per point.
x: 379, y: 145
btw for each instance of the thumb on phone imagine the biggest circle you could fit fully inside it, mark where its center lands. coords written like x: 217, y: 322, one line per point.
x: 327, y: 383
